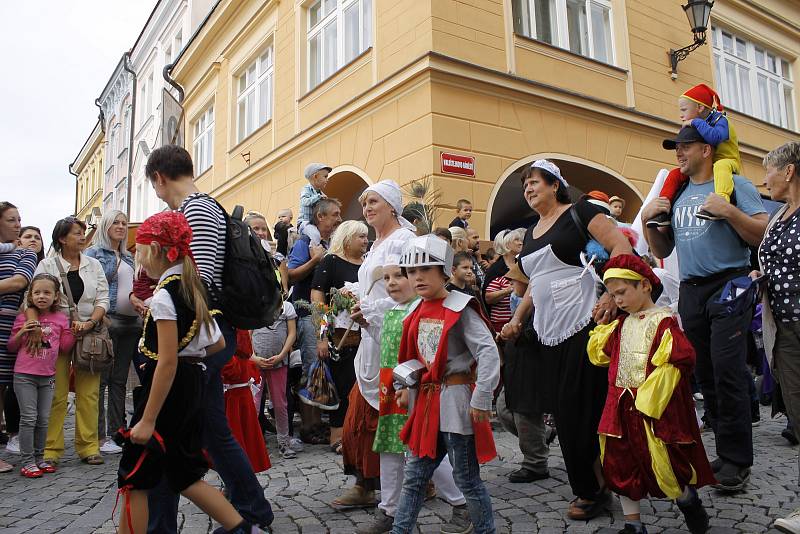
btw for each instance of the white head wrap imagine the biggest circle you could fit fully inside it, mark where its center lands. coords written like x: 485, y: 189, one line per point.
x: 552, y: 168
x: 389, y: 191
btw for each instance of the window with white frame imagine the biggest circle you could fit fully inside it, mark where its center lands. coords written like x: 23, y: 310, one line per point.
x: 753, y: 80
x: 204, y: 141
x: 338, y: 31
x: 580, y: 26
x: 254, y: 100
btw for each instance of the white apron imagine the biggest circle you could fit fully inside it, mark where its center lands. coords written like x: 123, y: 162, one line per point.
x: 563, y: 296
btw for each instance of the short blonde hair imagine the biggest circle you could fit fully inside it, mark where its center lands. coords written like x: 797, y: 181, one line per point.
x: 459, y: 238
x: 503, y: 240
x: 344, y: 234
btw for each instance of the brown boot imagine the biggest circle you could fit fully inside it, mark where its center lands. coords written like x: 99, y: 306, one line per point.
x: 355, y: 497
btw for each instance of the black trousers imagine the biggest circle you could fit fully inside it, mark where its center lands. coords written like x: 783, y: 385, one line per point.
x: 720, y: 341
x: 576, y: 394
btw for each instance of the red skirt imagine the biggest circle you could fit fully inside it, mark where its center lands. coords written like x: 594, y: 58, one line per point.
x: 358, y: 434
x: 243, y: 420
x: 627, y: 466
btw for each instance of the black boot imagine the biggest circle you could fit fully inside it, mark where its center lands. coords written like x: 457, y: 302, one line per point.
x: 693, y: 512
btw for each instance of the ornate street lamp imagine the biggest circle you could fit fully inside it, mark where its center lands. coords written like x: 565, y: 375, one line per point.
x: 698, y: 12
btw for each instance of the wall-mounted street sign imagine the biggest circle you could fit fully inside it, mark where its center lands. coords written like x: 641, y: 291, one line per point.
x: 458, y: 164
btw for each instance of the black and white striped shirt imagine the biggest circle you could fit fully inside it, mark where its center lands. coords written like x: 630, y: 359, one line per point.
x: 208, y: 236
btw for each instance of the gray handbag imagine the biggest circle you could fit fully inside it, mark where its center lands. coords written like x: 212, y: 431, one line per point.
x: 94, y: 350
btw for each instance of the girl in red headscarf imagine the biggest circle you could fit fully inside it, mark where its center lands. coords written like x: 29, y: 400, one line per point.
x: 237, y: 375
x: 165, y: 438
x: 649, y: 439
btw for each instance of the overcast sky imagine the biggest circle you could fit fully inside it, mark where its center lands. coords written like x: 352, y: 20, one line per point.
x: 57, y: 58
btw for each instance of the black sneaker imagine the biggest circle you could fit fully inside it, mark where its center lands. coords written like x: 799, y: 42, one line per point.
x: 731, y: 477
x: 662, y: 219
x: 706, y: 216
x: 755, y: 413
x: 788, y: 435
x: 695, y: 515
x: 630, y: 529
x: 523, y: 475
x: 717, y: 464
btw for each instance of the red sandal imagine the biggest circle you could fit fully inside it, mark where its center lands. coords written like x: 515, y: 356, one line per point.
x: 47, y: 467
x: 31, y: 471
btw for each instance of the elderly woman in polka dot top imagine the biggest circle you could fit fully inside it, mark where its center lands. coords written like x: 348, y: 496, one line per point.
x: 778, y: 258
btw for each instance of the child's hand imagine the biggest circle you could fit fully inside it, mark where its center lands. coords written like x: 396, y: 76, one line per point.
x: 358, y: 316
x: 402, y: 398
x: 273, y: 361
x: 142, y: 432
x: 323, y: 352
x: 479, y: 416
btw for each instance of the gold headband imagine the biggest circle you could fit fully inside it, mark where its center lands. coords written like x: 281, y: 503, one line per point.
x: 625, y: 274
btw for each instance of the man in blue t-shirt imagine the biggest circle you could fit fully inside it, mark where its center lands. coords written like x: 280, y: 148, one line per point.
x: 710, y: 253
x: 326, y: 215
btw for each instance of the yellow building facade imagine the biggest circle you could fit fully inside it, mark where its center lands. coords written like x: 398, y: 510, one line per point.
x: 89, y: 169
x: 395, y: 89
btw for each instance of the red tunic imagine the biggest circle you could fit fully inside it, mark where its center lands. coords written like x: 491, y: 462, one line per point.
x: 629, y: 455
x: 239, y: 406
x: 421, y: 431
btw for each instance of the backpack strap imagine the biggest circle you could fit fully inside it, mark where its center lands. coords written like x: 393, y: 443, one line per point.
x: 582, y: 229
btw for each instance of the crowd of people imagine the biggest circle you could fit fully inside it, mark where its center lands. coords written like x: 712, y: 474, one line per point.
x: 395, y: 344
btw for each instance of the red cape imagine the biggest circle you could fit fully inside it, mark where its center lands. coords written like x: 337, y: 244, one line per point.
x: 421, y: 430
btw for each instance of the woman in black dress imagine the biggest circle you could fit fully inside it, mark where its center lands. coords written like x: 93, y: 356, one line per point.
x: 565, y: 299
x: 338, y: 268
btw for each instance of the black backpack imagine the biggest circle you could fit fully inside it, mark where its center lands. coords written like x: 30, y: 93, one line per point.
x: 250, y: 297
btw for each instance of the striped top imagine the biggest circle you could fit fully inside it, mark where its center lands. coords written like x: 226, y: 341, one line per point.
x: 500, y: 311
x: 22, y: 262
x: 207, y: 222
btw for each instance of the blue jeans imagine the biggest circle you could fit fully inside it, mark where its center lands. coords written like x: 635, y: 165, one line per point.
x: 230, y: 461
x: 466, y: 474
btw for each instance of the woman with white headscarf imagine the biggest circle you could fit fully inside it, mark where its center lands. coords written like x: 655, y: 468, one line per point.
x: 381, y: 205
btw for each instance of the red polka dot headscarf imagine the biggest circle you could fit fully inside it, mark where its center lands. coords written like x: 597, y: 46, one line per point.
x: 171, y: 230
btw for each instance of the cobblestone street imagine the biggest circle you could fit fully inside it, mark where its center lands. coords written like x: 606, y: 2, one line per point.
x: 79, y: 499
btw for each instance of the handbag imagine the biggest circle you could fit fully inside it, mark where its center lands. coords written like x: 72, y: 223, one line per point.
x: 94, y: 350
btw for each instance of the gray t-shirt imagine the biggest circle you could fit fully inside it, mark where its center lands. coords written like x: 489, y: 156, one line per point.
x: 268, y: 342
x: 704, y: 247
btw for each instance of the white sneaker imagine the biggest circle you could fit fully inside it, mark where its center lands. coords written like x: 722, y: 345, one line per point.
x: 296, y: 445
x: 698, y: 396
x: 13, y: 444
x: 790, y: 523
x: 109, y: 447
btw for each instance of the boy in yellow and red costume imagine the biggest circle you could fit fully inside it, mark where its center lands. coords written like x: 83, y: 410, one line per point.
x: 650, y: 443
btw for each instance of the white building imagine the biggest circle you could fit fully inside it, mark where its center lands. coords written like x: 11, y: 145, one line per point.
x: 115, y: 105
x: 169, y: 27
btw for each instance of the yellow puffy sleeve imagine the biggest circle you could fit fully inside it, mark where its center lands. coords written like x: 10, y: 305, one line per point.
x: 598, y: 338
x: 656, y: 391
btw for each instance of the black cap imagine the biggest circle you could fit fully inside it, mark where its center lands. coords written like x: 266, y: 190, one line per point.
x: 688, y: 134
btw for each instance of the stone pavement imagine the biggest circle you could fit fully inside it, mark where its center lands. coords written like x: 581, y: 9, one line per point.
x: 79, y: 499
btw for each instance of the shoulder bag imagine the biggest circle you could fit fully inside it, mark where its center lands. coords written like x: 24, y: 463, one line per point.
x: 94, y: 351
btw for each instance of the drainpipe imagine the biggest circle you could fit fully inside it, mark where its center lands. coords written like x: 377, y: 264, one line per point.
x: 101, y: 117
x: 126, y: 64
x: 73, y: 173
x: 166, y: 74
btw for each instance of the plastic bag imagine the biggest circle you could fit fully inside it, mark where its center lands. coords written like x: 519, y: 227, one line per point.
x: 320, y: 390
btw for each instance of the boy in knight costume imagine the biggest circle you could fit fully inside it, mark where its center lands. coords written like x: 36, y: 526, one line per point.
x: 449, y: 335
x: 392, y: 417
x: 649, y: 439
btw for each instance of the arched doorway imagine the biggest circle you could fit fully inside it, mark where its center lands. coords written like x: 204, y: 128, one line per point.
x: 346, y: 183
x: 508, y: 209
